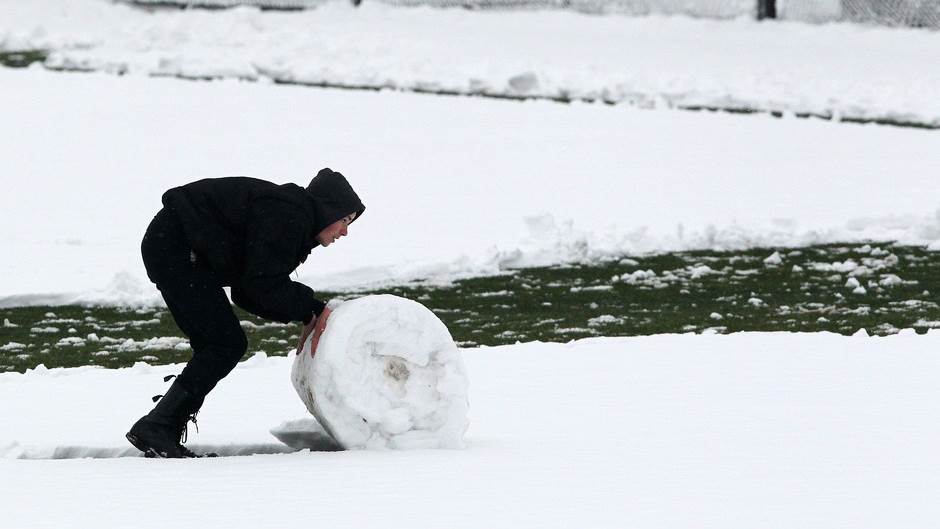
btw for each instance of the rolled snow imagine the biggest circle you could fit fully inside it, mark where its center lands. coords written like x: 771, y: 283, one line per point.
x: 386, y: 374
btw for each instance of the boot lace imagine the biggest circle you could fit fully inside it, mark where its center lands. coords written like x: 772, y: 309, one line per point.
x: 185, y: 434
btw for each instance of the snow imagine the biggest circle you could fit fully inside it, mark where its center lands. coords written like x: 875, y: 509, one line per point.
x: 774, y: 259
x: 603, y: 319
x: 737, y: 431
x: 448, y: 165
x: 840, y: 70
x: 386, y: 374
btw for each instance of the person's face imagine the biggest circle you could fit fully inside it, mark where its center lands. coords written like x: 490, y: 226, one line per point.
x: 336, y: 230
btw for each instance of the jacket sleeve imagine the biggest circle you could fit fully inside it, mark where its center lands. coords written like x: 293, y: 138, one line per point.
x: 274, y: 237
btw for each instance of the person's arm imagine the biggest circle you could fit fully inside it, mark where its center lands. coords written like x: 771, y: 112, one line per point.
x: 274, y: 238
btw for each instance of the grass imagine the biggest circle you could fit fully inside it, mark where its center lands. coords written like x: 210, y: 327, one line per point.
x: 21, y: 59
x: 810, y: 289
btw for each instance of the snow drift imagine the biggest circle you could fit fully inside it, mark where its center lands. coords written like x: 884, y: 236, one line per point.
x: 838, y: 70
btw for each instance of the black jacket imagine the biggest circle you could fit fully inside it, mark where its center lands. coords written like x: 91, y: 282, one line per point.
x: 254, y: 233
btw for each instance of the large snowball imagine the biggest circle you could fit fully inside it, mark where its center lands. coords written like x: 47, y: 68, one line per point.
x: 386, y: 374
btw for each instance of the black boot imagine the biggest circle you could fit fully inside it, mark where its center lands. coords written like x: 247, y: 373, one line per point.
x: 158, y: 433
x: 186, y: 452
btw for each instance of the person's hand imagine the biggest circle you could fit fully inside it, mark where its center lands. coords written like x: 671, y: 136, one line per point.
x: 316, y: 327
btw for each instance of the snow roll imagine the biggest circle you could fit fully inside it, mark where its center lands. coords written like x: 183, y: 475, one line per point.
x: 386, y: 374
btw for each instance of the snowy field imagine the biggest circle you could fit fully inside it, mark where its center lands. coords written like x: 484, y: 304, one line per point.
x: 841, y: 70
x: 742, y: 431
x: 670, y: 431
x: 453, y: 186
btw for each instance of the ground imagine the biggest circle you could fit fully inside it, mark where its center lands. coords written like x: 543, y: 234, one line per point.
x: 597, y: 263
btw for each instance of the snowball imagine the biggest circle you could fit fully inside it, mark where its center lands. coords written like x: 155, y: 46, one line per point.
x: 386, y: 374
x: 852, y: 283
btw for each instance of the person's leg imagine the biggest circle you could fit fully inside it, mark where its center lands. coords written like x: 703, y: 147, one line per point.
x: 195, y: 298
x: 203, y: 312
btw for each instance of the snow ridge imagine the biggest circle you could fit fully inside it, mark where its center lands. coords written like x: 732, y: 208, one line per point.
x: 856, y: 73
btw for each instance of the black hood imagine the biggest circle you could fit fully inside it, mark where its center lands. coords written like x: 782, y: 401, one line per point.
x: 333, y: 197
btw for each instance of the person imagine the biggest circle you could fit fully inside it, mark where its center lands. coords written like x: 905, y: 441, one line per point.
x: 248, y: 234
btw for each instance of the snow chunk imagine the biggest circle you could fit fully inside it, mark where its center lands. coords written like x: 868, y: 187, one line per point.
x: 775, y: 259
x: 594, y: 288
x: 852, y: 283
x: 698, y: 271
x: 13, y: 346
x: 715, y: 316
x: 603, y: 319
x: 846, y: 266
x: 304, y: 434
x: 638, y: 276
x: 757, y: 302
x: 8, y: 324
x: 495, y: 294
x: 386, y: 374
x: 892, y: 280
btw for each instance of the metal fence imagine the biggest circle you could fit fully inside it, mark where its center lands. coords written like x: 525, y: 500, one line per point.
x: 910, y: 13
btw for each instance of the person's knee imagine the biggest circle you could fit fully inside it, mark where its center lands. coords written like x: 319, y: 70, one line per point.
x: 240, y: 343
x: 232, y: 345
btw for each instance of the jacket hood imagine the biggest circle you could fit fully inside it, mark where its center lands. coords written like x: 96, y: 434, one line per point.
x: 333, y: 198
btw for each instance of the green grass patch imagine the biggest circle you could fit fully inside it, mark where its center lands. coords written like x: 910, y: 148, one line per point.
x: 837, y: 288
x: 21, y: 59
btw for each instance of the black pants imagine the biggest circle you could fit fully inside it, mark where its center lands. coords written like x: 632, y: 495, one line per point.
x: 194, y: 295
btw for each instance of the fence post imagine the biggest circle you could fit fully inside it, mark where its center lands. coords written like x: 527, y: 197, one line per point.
x: 766, y: 9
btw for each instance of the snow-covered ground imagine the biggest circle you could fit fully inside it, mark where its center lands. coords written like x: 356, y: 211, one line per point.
x: 453, y: 186
x: 836, y: 69
x: 815, y: 431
